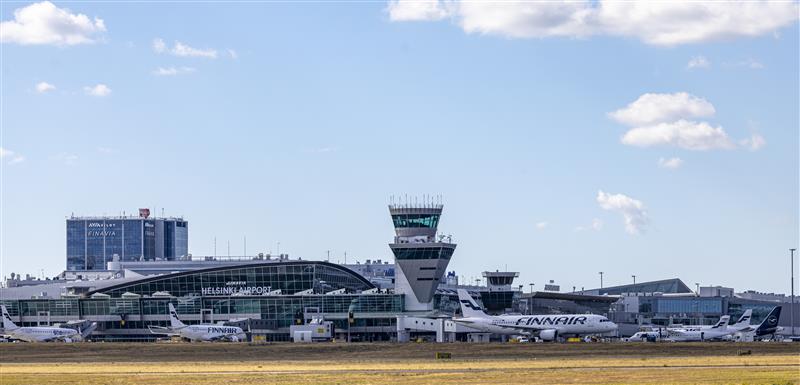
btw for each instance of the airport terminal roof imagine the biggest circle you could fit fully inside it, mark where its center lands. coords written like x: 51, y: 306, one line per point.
x: 672, y: 285
x: 577, y: 296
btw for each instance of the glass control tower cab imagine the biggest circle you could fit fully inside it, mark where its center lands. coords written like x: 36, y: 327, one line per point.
x: 421, y: 259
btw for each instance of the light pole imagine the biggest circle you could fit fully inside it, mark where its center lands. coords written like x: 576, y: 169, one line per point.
x: 322, y: 289
x: 791, y: 251
x: 601, y: 279
x: 697, y: 291
x: 634, y: 282
x: 531, y: 287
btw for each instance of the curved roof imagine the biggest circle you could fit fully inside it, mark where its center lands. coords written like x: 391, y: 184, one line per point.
x: 673, y: 285
x: 153, y: 278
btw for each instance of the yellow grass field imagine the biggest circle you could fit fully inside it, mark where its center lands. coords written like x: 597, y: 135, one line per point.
x: 354, y: 364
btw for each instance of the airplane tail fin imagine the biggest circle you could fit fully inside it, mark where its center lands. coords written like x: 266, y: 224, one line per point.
x: 7, y: 323
x: 468, y: 306
x: 744, y: 320
x: 770, y: 324
x: 723, y: 322
x: 174, y: 321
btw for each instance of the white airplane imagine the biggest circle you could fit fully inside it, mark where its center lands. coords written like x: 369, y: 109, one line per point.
x: 742, y: 324
x: 201, y: 332
x: 701, y: 333
x: 37, y: 333
x: 768, y: 326
x: 547, y: 327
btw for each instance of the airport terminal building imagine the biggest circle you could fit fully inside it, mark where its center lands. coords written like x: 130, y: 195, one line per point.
x: 269, y: 296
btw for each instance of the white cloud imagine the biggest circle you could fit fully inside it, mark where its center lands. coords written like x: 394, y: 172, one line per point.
x: 632, y: 210
x: 159, y: 46
x: 656, y: 108
x: 541, y: 225
x: 663, y: 119
x: 683, y: 133
x: 11, y: 157
x: 754, y: 143
x: 99, y: 90
x: 233, y: 54
x: 596, y: 225
x: 106, y: 150
x: 183, y: 50
x: 672, y: 23
x: 750, y: 63
x: 527, y: 19
x: 44, y: 23
x: 322, y: 150
x: 44, y: 87
x: 653, y: 22
x: 698, y: 62
x: 417, y: 10
x: 671, y: 163
x: 172, y: 71
x: 67, y: 158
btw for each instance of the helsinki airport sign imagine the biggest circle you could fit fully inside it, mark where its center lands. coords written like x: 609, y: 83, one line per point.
x: 236, y: 288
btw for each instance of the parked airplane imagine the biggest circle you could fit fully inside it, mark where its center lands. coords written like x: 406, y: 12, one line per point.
x: 547, y: 327
x: 201, y: 332
x: 37, y: 333
x: 770, y: 324
x: 701, y: 333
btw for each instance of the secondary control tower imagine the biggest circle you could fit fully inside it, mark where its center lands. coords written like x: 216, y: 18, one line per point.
x: 420, y: 257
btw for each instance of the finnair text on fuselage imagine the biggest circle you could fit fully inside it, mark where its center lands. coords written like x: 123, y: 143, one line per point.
x: 538, y: 320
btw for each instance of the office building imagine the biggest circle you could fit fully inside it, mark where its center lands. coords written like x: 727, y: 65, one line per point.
x: 92, y: 242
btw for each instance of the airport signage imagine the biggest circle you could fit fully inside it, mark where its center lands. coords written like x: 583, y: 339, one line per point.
x: 236, y: 290
x: 101, y: 229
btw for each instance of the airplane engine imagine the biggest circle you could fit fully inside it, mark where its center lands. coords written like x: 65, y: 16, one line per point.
x: 548, y: 335
x: 68, y: 340
x: 234, y: 339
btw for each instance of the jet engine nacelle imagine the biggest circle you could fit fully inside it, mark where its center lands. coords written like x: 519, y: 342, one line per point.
x: 548, y: 335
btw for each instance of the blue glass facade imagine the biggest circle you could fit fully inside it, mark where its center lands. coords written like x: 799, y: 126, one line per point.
x: 92, y: 242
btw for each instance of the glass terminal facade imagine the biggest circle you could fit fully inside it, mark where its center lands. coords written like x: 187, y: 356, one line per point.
x: 124, y: 311
x: 93, y: 242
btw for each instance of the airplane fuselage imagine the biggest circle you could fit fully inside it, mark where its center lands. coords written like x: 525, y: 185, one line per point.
x: 564, y: 324
x: 43, y: 334
x: 212, y: 333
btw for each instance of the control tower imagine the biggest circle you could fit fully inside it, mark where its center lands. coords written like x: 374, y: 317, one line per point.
x: 499, y: 298
x: 420, y: 258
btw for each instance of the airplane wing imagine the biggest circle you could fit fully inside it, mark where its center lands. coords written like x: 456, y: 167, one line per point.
x: 74, y: 337
x: 161, y: 330
x: 528, y: 327
x: 677, y: 332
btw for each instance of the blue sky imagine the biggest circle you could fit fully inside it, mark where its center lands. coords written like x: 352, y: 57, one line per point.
x: 565, y: 139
